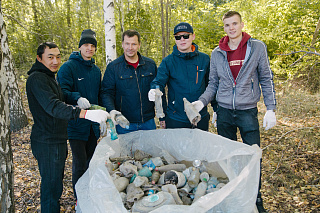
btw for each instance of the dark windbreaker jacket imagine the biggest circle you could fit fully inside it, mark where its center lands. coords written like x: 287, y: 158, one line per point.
x: 50, y: 113
x: 80, y: 78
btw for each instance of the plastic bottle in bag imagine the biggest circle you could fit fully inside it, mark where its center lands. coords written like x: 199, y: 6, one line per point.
x: 155, y: 177
x: 158, y: 103
x: 200, y: 191
x: 204, y: 176
x: 176, y: 178
x: 113, y: 132
x: 194, y: 178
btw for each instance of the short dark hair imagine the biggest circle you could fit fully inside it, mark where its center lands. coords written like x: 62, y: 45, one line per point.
x: 131, y: 33
x: 230, y: 14
x: 43, y: 46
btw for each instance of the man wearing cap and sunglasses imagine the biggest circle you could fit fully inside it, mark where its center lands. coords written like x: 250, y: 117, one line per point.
x: 186, y: 73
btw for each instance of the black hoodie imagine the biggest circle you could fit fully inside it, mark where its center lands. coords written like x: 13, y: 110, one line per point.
x: 50, y: 113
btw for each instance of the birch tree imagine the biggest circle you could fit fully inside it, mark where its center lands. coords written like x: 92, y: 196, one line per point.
x: 6, y: 159
x: 110, y: 30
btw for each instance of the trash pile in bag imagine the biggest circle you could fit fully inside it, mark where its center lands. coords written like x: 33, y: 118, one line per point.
x: 147, y: 182
x: 235, y: 164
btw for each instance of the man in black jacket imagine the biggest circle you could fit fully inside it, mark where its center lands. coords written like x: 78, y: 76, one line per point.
x: 126, y: 83
x: 49, y: 131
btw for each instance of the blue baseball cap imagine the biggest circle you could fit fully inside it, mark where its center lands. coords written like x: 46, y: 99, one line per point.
x: 183, y: 27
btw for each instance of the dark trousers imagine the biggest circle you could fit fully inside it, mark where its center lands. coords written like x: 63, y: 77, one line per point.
x: 82, y: 152
x: 246, y: 120
x: 173, y: 124
x: 51, y: 160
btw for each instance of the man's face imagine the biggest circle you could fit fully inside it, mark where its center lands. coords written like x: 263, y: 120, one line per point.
x: 130, y: 46
x: 184, y: 44
x: 87, y: 51
x: 51, y: 58
x: 233, y: 26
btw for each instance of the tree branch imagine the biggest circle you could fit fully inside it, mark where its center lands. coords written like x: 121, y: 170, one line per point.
x: 300, y: 51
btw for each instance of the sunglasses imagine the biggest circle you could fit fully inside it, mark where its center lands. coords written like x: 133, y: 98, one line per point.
x: 185, y: 36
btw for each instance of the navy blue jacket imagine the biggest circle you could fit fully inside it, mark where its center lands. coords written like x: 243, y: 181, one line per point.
x: 50, y: 113
x: 80, y: 78
x: 125, y: 88
x: 187, y: 76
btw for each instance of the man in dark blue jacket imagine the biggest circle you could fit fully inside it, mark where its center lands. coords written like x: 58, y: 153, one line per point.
x: 186, y: 73
x: 80, y: 81
x: 126, y: 83
x: 50, y: 116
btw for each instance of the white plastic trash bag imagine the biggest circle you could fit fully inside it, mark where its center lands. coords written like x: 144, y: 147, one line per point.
x: 239, y: 162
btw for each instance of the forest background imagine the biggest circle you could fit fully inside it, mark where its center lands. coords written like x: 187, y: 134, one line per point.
x: 288, y: 27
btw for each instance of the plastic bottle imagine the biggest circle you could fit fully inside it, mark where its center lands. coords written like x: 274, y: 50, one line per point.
x: 204, y: 176
x: 176, y: 167
x: 149, y: 164
x: 213, y: 182
x: 121, y: 183
x: 145, y: 171
x: 192, y: 114
x: 113, y: 132
x: 201, y: 190
x: 122, y: 121
x: 155, y: 177
x: 157, y: 161
x: 194, y: 178
x: 158, y: 103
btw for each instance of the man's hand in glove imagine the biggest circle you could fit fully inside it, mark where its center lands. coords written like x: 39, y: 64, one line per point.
x: 103, y: 128
x: 83, y: 103
x: 198, y: 105
x: 113, y: 114
x: 269, y: 119
x: 152, y: 94
x: 98, y: 115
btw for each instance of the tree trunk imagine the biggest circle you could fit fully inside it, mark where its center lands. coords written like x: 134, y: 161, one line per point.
x: 6, y: 159
x: 110, y: 31
x: 315, y: 35
x: 163, y: 31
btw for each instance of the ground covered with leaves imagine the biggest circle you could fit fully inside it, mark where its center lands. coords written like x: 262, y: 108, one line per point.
x: 290, y: 164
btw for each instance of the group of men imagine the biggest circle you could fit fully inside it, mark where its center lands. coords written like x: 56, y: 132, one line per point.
x: 231, y: 80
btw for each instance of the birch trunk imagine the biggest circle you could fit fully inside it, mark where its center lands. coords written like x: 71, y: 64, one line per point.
x: 6, y: 159
x: 110, y: 30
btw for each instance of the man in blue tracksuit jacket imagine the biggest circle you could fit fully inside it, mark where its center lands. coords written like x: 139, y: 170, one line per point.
x: 80, y: 81
x: 186, y: 73
x: 126, y: 83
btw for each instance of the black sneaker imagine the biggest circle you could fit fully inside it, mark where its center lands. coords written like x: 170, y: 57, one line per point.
x: 260, y: 207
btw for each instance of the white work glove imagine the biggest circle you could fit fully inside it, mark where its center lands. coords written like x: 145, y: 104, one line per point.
x: 198, y: 105
x: 269, y: 119
x: 113, y: 114
x: 83, y: 103
x: 214, y: 119
x: 103, y: 128
x: 98, y: 115
x: 152, y: 94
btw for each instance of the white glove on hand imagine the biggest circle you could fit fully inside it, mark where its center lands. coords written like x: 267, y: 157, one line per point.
x: 98, y: 115
x: 214, y: 119
x: 103, y: 128
x: 198, y: 105
x: 83, y: 103
x: 152, y: 95
x: 269, y: 119
x: 113, y: 114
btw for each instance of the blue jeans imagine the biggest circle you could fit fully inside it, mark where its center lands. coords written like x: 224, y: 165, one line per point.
x: 246, y: 120
x: 82, y: 152
x: 148, y: 125
x: 51, y: 160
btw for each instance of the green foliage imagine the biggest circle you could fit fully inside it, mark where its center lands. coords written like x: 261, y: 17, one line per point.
x: 284, y: 26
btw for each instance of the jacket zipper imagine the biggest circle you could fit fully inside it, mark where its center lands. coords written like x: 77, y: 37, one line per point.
x: 252, y: 87
x: 135, y: 71
x: 120, y: 103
